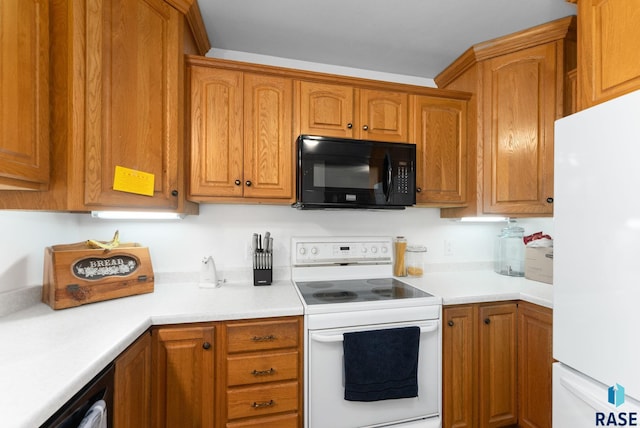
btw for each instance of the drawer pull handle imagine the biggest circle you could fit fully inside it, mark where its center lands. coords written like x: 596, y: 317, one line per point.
x: 263, y: 404
x: 263, y: 338
x: 263, y: 372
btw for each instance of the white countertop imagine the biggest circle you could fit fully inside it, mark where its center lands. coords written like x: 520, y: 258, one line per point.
x: 476, y: 286
x: 47, y: 356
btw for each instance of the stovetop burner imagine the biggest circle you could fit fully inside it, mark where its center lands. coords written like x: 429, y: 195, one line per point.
x: 357, y: 290
x: 336, y: 296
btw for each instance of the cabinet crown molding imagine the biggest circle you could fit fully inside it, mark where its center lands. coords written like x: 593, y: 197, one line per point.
x: 560, y: 29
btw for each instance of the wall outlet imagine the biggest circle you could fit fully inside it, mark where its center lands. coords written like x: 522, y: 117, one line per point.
x: 448, y: 247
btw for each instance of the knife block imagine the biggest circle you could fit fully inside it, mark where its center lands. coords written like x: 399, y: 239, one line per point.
x: 262, y: 276
x: 262, y: 268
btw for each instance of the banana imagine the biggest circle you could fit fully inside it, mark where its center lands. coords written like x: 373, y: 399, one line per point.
x: 114, y: 243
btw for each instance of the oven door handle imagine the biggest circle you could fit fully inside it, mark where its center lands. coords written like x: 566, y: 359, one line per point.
x: 328, y: 338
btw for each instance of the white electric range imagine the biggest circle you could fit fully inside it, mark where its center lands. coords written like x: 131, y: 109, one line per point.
x: 346, y: 286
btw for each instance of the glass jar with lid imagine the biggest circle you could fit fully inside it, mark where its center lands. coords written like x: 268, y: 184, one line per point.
x: 415, y: 259
x: 509, y: 251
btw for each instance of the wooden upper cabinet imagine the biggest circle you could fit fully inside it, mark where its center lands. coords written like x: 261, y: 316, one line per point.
x: 520, y: 104
x: 241, y: 135
x: 346, y: 111
x: 133, y: 78
x: 384, y: 115
x: 520, y: 86
x: 116, y: 99
x: 268, y: 140
x: 216, y: 133
x: 439, y: 131
x: 608, y: 50
x: 326, y: 110
x: 24, y: 94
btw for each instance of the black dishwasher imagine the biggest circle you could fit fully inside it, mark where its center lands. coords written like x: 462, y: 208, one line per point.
x: 71, y: 414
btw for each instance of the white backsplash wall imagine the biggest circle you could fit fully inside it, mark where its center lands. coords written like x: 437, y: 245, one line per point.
x: 224, y: 232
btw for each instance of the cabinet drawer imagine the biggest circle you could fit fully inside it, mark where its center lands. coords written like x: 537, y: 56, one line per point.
x: 280, y: 421
x: 250, y: 369
x: 262, y: 400
x: 258, y: 336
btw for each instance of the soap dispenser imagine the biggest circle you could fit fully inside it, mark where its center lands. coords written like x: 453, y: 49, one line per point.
x: 208, y: 274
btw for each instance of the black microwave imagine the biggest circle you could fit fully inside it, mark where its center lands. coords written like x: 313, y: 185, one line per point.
x: 348, y: 173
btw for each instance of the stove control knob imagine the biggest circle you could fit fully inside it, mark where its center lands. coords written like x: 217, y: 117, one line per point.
x: 384, y: 250
x: 302, y: 251
x: 314, y: 250
x: 364, y: 249
x: 374, y: 250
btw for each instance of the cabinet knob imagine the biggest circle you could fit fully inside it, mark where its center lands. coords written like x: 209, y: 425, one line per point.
x: 419, y: 189
x: 174, y: 193
x: 549, y: 200
x: 365, y: 128
x: 248, y: 183
x: 349, y: 125
x: 450, y: 323
x: 487, y: 321
x: 206, y: 345
x: 237, y: 182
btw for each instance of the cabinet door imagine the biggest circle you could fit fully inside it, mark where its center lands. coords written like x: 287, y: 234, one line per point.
x: 216, y: 133
x: 534, y: 365
x: 183, y: 382
x: 458, y: 373
x: 268, y: 139
x: 498, y: 365
x: 326, y: 110
x: 132, y: 92
x: 609, y: 60
x: 441, y: 138
x: 24, y: 94
x: 132, y: 388
x: 384, y: 115
x: 520, y: 107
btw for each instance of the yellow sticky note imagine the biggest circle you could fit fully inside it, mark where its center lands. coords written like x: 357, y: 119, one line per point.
x: 133, y: 181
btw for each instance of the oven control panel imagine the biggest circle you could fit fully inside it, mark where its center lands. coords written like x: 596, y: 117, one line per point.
x: 326, y: 250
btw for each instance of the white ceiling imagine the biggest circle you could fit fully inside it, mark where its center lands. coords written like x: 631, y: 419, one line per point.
x: 405, y: 37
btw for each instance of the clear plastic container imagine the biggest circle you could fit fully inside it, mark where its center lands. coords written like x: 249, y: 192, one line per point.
x: 415, y: 259
x: 509, y: 252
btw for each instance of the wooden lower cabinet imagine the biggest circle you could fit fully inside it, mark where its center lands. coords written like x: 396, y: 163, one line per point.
x: 132, y: 385
x: 227, y: 374
x: 497, y: 360
x: 260, y: 373
x: 496, y: 365
x: 535, y: 356
x: 183, y: 376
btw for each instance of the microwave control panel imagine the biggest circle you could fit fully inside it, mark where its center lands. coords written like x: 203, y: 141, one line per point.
x: 402, y: 179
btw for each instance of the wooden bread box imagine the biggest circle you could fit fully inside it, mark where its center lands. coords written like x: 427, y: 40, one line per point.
x: 75, y: 275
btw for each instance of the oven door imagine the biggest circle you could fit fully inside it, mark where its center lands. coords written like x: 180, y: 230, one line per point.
x: 343, y: 173
x: 326, y: 406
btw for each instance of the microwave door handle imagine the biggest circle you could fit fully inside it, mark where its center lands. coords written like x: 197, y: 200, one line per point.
x: 389, y: 177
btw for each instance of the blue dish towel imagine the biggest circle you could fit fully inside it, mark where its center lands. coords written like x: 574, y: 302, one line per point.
x: 381, y: 364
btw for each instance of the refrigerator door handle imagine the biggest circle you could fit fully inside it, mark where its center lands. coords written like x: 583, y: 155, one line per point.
x: 583, y: 394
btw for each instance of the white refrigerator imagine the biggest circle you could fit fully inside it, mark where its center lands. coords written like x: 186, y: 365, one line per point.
x: 596, y: 284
